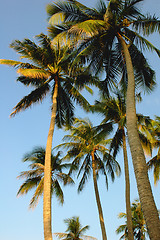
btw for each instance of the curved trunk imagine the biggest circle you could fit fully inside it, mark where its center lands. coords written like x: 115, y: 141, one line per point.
x: 101, y: 219
x: 127, y: 191
x: 140, y: 168
x: 47, y: 171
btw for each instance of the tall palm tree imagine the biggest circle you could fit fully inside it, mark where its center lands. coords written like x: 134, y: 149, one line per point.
x: 74, y: 231
x: 34, y: 178
x: 139, y: 225
x: 110, y: 37
x: 47, y: 71
x: 113, y: 110
x: 88, y: 150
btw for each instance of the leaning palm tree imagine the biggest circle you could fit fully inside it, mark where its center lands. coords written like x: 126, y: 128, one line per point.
x: 88, y: 150
x: 47, y: 71
x: 74, y: 231
x: 139, y: 225
x: 34, y: 178
x: 110, y: 37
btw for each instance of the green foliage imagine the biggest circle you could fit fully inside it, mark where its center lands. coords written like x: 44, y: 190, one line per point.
x: 34, y: 178
x: 113, y: 111
x: 80, y: 143
x: 95, y: 35
x: 47, y: 62
x: 139, y: 225
x: 74, y: 231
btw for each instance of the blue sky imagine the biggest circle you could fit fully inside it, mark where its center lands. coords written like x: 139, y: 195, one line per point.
x: 24, y: 19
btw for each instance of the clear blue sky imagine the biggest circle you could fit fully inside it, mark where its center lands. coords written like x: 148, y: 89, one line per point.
x: 24, y: 19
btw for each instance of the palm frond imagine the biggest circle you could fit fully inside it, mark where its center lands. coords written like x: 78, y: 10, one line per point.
x: 144, y: 43
x: 35, y: 96
x: 13, y: 63
x: 57, y: 190
x: 38, y: 193
x: 129, y: 10
x: 28, y: 81
x: 116, y: 142
x: 34, y: 73
x: 65, y: 108
x: 29, y: 184
x: 147, y: 24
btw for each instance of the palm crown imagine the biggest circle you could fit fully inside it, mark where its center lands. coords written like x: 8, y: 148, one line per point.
x: 83, y: 140
x: 113, y: 111
x: 34, y: 178
x: 48, y: 62
x: 74, y: 231
x: 99, y: 31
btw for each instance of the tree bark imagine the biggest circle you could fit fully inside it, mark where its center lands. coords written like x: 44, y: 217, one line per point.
x: 139, y: 162
x: 47, y: 224
x: 127, y: 191
x: 101, y: 218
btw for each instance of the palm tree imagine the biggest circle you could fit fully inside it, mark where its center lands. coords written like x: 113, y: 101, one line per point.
x: 48, y: 71
x: 113, y: 110
x: 34, y: 178
x: 139, y: 225
x: 74, y: 231
x: 85, y: 143
x: 110, y: 38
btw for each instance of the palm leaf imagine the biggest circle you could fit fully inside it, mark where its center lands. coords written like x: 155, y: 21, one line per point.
x: 29, y: 184
x: 37, y: 194
x: 144, y: 43
x: 147, y: 25
x: 57, y: 190
x: 34, y: 73
x: 35, y: 96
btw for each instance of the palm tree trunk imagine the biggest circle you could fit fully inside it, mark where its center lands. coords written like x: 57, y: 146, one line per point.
x: 127, y: 190
x: 101, y: 219
x: 139, y: 162
x: 47, y: 171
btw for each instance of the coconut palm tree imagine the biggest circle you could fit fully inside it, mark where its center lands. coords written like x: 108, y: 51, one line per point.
x: 113, y: 110
x: 88, y: 150
x: 34, y: 178
x: 74, y: 231
x: 102, y: 32
x: 139, y: 225
x: 47, y: 71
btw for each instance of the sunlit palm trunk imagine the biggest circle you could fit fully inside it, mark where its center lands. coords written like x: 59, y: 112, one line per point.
x: 101, y: 219
x: 140, y: 168
x: 127, y: 190
x: 47, y: 171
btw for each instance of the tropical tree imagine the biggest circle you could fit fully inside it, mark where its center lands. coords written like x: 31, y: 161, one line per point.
x: 139, y: 225
x: 110, y: 37
x: 113, y: 111
x: 74, y: 231
x: 34, y: 178
x: 88, y: 150
x: 47, y: 71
